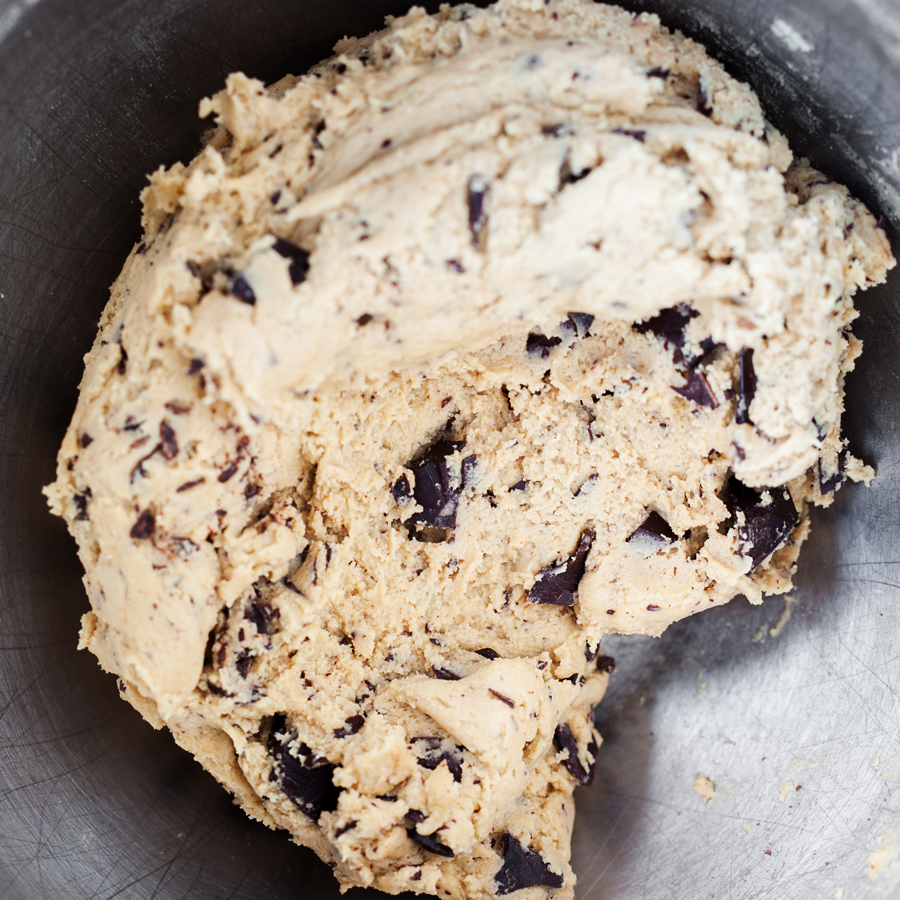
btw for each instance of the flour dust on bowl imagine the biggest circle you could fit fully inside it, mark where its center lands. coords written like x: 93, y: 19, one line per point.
x: 498, y: 334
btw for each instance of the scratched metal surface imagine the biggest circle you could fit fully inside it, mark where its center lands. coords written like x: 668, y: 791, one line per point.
x: 94, y: 804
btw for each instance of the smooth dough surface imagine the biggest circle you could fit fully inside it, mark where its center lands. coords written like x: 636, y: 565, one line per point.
x: 497, y: 332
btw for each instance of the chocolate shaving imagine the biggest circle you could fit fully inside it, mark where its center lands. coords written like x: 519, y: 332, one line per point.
x: 228, y: 472
x: 144, y: 526
x: 558, y: 583
x: 445, y: 674
x: 565, y: 740
x: 477, y: 191
x: 746, y: 387
x: 503, y: 698
x: 189, y: 484
x: 304, y: 778
x: 698, y: 390
x: 637, y: 135
x: 298, y: 268
x: 488, y: 653
x: 523, y: 868
x: 765, y: 527
x: 168, y: 443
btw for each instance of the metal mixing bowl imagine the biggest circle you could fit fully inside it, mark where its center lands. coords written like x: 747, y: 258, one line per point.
x: 94, y: 94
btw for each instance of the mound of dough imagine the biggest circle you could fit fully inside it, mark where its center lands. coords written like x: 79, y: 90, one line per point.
x: 499, y: 331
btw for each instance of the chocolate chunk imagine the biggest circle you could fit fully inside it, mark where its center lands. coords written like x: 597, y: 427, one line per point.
x: 698, y: 390
x: 456, y: 266
x: 85, y: 440
x: 477, y: 192
x: 351, y: 726
x: 445, y: 674
x: 669, y: 326
x: 487, y: 653
x: 305, y: 778
x: 835, y: 480
x: 429, y: 842
x: 122, y: 367
x: 563, y: 129
x: 523, y: 868
x: 298, y: 267
x: 177, y: 408
x: 606, y: 664
x: 431, y: 753
x: 503, y: 698
x: 519, y: 485
x: 637, y: 135
x: 243, y: 662
x: 193, y: 268
x: 189, y: 484
x: 433, y: 491
x: 540, y: 343
x: 654, y: 529
x: 364, y: 319
x: 145, y: 525
x: 704, y: 105
x: 275, y: 197
x: 196, y: 364
x: 141, y: 248
x: 344, y: 829
x: 746, y: 387
x: 565, y: 740
x: 168, y: 443
x: 81, y: 501
x: 261, y: 615
x: 558, y: 583
x: 240, y: 287
x: 765, y: 527
x: 589, y: 654
x: 658, y: 72
x: 228, y: 472
x: 581, y: 321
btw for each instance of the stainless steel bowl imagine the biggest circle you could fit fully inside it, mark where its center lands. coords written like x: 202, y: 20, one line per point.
x: 94, y: 94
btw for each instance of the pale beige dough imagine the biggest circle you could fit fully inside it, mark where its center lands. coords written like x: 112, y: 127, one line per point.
x: 244, y: 468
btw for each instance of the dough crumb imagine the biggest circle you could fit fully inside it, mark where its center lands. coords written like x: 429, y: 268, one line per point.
x: 704, y: 787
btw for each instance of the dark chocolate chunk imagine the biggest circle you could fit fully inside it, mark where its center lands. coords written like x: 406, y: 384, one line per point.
x: 445, y: 674
x: 606, y: 664
x: 703, y: 99
x: 364, y: 319
x: 764, y: 527
x: 189, y: 484
x: 195, y: 365
x: 261, y: 615
x: 658, y: 72
x: 298, y: 268
x: 141, y: 248
x: 85, y: 440
x: 581, y: 321
x: 589, y: 654
x: 168, y: 443
x: 669, y: 326
x: 433, y: 491
x: 345, y: 828
x: 541, y: 344
x: 558, y: 583
x: 698, y: 390
x: 654, y: 528
x: 240, y: 287
x: 503, y: 698
x: 456, y: 266
x: 81, y: 501
x: 523, y: 868
x: 637, y: 135
x: 351, y: 726
x: 144, y: 525
x: 565, y: 740
x: 488, y: 653
x: 652, y: 607
x: 177, y: 408
x: 563, y: 129
x: 305, y: 778
x: 243, y: 662
x: 832, y: 482
x: 431, y: 753
x: 228, y: 472
x: 122, y: 367
x: 401, y: 491
x: 193, y: 268
x: 275, y: 197
x: 746, y: 387
x: 430, y: 842
x: 477, y: 191
x: 519, y: 485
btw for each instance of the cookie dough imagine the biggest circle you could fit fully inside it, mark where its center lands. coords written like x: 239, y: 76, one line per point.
x: 497, y: 332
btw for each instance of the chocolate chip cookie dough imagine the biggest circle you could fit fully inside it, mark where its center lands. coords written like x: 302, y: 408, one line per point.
x: 497, y: 332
